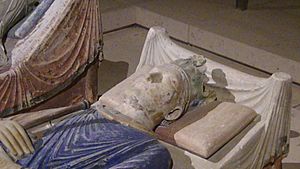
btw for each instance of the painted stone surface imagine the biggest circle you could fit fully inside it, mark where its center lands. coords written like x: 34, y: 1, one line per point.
x: 16, y: 11
x: 88, y: 140
x: 269, y: 97
x: 62, y: 46
x: 155, y: 93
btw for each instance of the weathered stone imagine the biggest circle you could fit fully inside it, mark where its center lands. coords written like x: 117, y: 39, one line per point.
x: 64, y: 44
x: 207, y: 135
x: 155, y: 93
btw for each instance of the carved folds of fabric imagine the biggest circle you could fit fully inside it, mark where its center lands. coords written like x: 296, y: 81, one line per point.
x: 60, y: 48
x: 269, y: 97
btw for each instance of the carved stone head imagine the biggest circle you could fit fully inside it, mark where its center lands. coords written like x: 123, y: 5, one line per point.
x: 164, y: 91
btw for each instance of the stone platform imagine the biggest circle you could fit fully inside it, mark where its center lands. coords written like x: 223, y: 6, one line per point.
x: 122, y: 52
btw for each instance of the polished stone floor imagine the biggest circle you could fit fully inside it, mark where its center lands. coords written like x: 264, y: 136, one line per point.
x: 122, y: 50
x: 265, y: 36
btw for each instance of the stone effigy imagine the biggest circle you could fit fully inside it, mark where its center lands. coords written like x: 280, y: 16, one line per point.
x: 254, y: 143
x: 84, y: 138
x: 88, y: 140
x: 168, y: 80
x: 268, y: 140
x: 152, y: 94
x: 61, y: 48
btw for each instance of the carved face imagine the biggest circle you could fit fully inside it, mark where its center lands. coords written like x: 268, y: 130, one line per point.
x: 156, y: 93
x: 151, y: 95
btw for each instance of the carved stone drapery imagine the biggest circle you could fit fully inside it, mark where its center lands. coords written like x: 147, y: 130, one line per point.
x: 267, y: 142
x: 65, y: 42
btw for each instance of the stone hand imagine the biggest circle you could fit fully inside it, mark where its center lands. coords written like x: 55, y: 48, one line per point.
x: 14, y: 138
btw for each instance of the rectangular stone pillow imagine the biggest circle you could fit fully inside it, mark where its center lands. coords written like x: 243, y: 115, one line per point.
x: 206, y: 129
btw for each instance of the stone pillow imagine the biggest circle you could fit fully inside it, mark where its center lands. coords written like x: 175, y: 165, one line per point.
x: 205, y: 130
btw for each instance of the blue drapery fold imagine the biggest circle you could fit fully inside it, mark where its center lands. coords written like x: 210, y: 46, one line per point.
x: 88, y: 141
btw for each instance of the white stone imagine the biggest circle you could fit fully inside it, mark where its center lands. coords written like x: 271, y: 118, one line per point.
x: 154, y: 93
x: 205, y: 136
x: 269, y: 97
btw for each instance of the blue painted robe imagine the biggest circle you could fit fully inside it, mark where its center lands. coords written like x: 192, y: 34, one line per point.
x: 88, y: 141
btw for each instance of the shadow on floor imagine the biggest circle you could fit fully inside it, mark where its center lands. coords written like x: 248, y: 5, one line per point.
x: 294, y: 134
x: 290, y: 165
x: 111, y: 73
